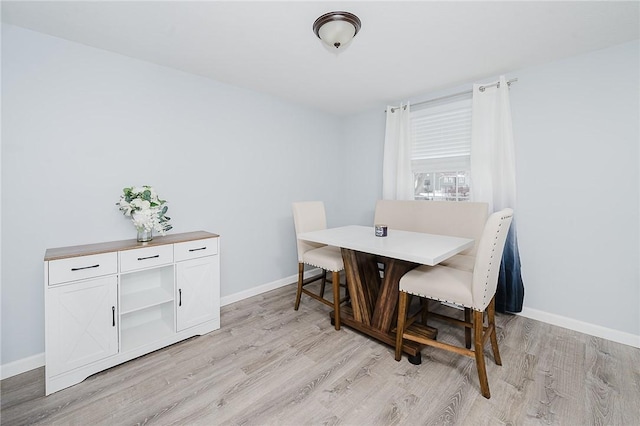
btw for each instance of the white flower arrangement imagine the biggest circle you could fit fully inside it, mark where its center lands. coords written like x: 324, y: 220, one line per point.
x: 146, y: 209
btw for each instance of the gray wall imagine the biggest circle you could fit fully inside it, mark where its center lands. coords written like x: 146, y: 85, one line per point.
x: 79, y: 124
x: 577, y: 123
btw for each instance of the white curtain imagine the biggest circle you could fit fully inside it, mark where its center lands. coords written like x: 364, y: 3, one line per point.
x: 493, y: 179
x: 493, y: 172
x: 397, y: 177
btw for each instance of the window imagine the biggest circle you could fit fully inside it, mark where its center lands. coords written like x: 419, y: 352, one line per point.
x: 441, y: 149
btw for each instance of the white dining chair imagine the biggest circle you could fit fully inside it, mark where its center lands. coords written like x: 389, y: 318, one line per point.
x: 473, y: 290
x: 310, y: 216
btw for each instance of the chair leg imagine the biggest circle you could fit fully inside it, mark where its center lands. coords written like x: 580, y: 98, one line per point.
x: 300, y: 279
x: 467, y: 330
x: 402, y: 318
x: 336, y: 299
x: 478, y: 320
x: 323, y: 282
x: 491, y: 318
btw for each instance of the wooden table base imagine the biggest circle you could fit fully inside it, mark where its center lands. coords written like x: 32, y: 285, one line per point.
x: 374, y: 299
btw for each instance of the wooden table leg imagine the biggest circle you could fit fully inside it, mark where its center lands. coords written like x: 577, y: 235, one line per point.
x: 387, y: 303
x: 363, y: 281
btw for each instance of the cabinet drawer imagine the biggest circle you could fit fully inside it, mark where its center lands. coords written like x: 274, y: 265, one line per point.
x: 82, y: 267
x: 147, y: 257
x: 195, y: 249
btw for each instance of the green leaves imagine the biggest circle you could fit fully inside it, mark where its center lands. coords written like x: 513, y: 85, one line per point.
x: 148, y: 208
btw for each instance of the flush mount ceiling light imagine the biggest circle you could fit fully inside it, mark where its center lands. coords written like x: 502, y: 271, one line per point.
x: 337, y: 29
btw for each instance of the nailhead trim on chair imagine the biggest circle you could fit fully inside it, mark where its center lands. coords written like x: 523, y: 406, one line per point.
x: 443, y: 300
x: 322, y: 267
x: 484, y: 297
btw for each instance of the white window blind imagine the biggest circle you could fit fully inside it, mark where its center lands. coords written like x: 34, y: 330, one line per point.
x: 441, y: 136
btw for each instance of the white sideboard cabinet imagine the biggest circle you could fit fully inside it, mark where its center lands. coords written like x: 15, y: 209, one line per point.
x: 108, y: 303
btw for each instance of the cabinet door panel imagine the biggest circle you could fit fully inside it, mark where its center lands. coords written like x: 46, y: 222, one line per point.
x: 82, y: 323
x: 197, y: 291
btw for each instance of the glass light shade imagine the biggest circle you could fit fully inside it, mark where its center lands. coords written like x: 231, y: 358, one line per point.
x: 337, y: 34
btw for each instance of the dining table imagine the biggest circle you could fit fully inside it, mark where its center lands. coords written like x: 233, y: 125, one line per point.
x: 373, y: 268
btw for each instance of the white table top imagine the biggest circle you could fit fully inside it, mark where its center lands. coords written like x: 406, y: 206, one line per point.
x: 417, y: 247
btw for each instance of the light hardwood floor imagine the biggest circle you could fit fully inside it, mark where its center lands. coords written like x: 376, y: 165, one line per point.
x: 269, y: 364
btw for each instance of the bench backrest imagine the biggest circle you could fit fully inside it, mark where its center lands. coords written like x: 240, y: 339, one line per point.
x: 459, y: 219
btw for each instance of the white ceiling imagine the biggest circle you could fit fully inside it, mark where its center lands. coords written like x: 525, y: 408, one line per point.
x: 404, y: 48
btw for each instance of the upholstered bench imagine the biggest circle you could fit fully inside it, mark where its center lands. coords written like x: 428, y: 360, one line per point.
x: 459, y: 219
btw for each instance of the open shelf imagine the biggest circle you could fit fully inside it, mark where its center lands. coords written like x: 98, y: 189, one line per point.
x: 144, y: 326
x: 143, y: 334
x: 147, y: 288
x: 144, y: 299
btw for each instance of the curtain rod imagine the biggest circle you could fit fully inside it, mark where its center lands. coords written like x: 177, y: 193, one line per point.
x: 466, y: 92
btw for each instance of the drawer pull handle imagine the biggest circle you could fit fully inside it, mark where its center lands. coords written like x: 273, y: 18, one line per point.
x: 180, y: 299
x: 113, y: 315
x: 149, y: 257
x: 85, y: 267
x: 201, y: 248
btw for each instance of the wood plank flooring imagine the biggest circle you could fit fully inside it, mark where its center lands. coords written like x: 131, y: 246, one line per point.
x: 271, y: 365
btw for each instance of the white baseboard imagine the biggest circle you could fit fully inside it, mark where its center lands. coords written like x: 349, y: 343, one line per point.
x: 254, y: 291
x: 582, y: 327
x: 22, y: 365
